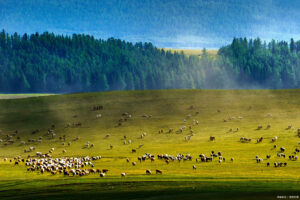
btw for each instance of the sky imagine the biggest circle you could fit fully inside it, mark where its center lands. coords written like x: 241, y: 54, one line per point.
x: 190, y: 24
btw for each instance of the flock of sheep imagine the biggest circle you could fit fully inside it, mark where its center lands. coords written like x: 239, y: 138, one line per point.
x: 82, y: 166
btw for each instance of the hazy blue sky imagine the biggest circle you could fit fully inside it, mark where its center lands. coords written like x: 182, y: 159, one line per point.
x: 165, y: 23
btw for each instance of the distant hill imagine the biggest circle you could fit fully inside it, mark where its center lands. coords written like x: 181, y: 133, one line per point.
x: 165, y: 23
x: 194, y: 52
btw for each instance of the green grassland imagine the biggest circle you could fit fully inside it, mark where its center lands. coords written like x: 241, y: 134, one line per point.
x: 239, y: 179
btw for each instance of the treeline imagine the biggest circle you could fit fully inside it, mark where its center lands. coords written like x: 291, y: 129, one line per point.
x: 254, y: 63
x: 59, y: 64
x: 54, y: 63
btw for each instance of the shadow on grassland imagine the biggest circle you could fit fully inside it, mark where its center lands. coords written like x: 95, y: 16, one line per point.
x: 157, y: 190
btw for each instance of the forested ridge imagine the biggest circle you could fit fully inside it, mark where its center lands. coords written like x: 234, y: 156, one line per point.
x: 60, y: 64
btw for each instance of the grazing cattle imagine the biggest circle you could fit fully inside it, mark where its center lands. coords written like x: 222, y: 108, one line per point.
x: 282, y: 149
x: 133, y: 151
x: 98, y: 107
x: 148, y: 171
x: 102, y: 174
x: 158, y: 171
x: 211, y: 138
x: 133, y: 163
x: 232, y: 159
x: 194, y: 167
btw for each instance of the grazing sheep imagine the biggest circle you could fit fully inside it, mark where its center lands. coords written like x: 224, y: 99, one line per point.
x: 133, y: 163
x: 158, y: 171
x: 260, y: 140
x: 107, y: 135
x: 133, y: 151
x: 211, y: 138
x: 194, y: 167
x: 123, y: 174
x: 232, y: 159
x: 243, y: 139
x: 102, y: 174
x: 268, y: 126
x: 259, y: 127
x: 282, y: 149
x: 148, y: 171
x: 274, y: 139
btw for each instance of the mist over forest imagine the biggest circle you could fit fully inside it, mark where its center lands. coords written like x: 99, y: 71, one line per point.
x: 63, y: 46
x: 49, y: 63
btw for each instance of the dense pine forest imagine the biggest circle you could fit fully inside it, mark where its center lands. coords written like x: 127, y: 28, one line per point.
x: 52, y: 63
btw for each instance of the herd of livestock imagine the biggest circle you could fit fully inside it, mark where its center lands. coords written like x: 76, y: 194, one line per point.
x: 82, y: 166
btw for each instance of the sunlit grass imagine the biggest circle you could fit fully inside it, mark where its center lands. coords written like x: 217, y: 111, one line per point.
x: 168, y: 108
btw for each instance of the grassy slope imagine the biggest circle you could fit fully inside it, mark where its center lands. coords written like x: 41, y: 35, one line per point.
x: 195, y: 52
x: 169, y: 108
x: 19, y: 96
